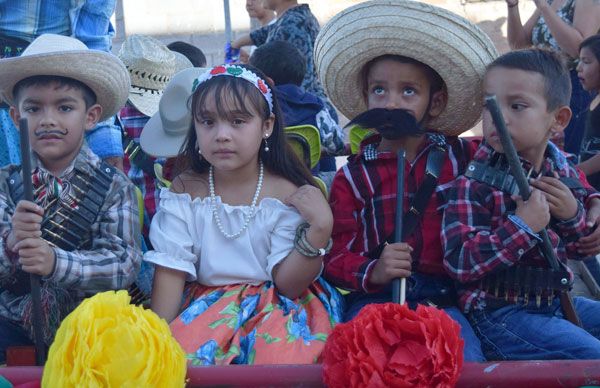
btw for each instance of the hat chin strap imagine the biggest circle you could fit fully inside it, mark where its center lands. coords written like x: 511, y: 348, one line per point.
x: 422, y: 121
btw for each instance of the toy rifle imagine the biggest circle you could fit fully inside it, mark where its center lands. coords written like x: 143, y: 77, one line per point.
x: 36, y: 294
x: 516, y: 169
x: 399, y: 284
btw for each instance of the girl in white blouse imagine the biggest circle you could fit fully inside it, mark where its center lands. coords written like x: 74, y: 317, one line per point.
x: 246, y: 227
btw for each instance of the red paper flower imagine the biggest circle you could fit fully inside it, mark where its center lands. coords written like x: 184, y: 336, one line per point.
x: 389, y: 345
x: 218, y: 70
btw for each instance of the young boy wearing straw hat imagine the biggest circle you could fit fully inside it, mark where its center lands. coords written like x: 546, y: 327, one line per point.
x: 421, y: 89
x: 81, y: 232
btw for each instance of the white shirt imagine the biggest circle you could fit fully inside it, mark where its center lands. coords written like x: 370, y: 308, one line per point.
x: 186, y: 238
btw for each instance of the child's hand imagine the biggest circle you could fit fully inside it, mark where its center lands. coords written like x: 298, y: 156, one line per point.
x: 36, y: 256
x: 313, y: 207
x: 563, y: 205
x: 535, y: 212
x: 395, y: 262
x: 26, y: 223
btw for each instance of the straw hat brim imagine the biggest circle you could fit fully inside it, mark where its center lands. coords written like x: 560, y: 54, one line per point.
x: 102, y: 72
x: 166, y: 131
x: 451, y: 45
x: 145, y: 101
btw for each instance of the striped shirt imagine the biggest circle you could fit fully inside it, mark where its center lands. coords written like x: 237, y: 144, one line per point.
x: 111, y: 262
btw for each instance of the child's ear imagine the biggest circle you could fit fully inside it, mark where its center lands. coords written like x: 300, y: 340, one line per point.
x: 92, y: 116
x: 562, y: 116
x: 15, y: 115
x: 438, y: 103
x: 268, y: 126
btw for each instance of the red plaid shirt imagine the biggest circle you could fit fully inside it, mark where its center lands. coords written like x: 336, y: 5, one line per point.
x: 479, y: 238
x: 363, y: 200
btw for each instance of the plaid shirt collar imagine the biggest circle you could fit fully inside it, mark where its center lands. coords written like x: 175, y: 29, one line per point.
x: 554, y: 159
x: 368, y: 147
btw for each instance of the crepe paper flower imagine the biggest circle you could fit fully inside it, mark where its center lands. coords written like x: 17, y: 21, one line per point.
x: 107, y: 342
x: 389, y: 345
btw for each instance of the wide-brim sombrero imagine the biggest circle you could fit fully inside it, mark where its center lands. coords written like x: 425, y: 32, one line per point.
x: 63, y: 56
x: 166, y: 131
x: 454, y: 47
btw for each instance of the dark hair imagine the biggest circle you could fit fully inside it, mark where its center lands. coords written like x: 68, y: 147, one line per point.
x: 549, y: 64
x: 89, y: 97
x: 280, y: 159
x: 592, y: 43
x: 436, y: 81
x: 280, y: 61
x: 191, y: 52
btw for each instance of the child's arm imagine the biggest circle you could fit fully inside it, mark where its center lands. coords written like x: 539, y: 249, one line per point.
x: 356, y: 270
x: 472, y: 249
x: 296, y: 272
x: 167, y: 289
x: 115, y: 256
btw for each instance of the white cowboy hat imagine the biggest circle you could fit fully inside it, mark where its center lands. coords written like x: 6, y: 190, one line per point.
x: 151, y: 65
x: 165, y: 132
x: 181, y: 62
x: 63, y: 56
x: 451, y: 45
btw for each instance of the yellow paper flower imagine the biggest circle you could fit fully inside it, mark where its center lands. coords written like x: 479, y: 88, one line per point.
x: 107, y: 342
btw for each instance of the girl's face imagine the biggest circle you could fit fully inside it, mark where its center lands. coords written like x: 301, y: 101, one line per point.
x: 588, y: 70
x: 232, y: 142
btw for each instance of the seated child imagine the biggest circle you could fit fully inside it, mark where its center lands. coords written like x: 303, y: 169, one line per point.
x: 490, y: 236
x: 244, y: 224
x: 414, y: 99
x: 81, y: 232
x: 284, y: 64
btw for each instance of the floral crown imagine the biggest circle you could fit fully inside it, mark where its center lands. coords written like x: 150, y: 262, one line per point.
x: 238, y: 72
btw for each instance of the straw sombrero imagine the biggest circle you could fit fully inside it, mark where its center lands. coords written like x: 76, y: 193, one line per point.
x: 63, y: 56
x: 165, y: 132
x: 454, y: 47
x: 151, y: 65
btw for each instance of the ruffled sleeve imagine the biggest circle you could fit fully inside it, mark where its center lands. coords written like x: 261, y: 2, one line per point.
x: 171, y: 237
x: 282, y: 236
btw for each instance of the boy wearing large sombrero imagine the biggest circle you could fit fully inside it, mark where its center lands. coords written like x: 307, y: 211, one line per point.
x: 81, y: 232
x: 417, y: 69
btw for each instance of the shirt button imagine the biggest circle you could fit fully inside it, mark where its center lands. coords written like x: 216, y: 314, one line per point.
x: 520, y: 252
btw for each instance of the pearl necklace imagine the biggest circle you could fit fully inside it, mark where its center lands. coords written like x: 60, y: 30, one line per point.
x: 247, y: 218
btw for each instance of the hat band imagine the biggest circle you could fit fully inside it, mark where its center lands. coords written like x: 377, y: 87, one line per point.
x: 237, y: 72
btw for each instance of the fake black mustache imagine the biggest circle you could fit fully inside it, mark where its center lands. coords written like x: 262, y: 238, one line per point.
x: 51, y: 132
x: 392, y: 124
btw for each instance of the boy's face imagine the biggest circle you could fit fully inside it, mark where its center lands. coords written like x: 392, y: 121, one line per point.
x: 395, y: 85
x: 57, y: 119
x: 523, y: 103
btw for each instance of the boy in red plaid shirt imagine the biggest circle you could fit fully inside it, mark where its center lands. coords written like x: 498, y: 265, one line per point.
x: 413, y: 99
x: 490, y: 236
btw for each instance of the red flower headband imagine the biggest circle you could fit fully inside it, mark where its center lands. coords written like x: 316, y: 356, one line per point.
x: 238, y: 72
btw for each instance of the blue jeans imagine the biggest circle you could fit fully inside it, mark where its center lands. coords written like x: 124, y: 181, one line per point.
x: 11, y: 334
x: 518, y: 332
x: 420, y: 288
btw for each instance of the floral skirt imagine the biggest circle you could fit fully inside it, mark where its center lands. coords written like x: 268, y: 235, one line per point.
x: 245, y: 324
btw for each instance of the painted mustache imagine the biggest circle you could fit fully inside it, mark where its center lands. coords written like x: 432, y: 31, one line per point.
x: 51, y: 132
x: 392, y: 124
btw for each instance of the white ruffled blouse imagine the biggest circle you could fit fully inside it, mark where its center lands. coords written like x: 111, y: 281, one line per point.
x: 186, y: 238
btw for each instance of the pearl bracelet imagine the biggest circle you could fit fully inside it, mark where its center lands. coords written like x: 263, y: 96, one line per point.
x: 304, y: 247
